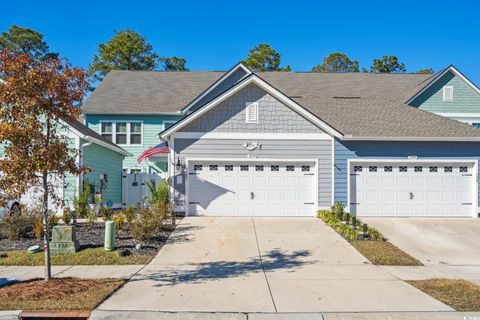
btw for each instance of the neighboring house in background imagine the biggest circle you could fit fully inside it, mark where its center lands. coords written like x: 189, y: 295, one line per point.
x: 131, y: 113
x: 449, y: 93
x: 105, y: 160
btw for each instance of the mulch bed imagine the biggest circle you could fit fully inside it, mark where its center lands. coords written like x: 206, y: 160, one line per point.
x: 57, y: 294
x: 93, y: 238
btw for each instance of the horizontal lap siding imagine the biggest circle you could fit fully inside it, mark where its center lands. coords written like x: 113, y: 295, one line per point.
x: 105, y: 161
x: 152, y: 126
x: 465, y: 98
x: 270, y: 149
x: 395, y: 150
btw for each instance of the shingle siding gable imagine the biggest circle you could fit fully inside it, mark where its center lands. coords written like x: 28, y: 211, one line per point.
x: 229, y: 116
x: 465, y: 98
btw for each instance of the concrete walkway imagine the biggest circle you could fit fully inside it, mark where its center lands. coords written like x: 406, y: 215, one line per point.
x: 87, y: 272
x: 267, y: 265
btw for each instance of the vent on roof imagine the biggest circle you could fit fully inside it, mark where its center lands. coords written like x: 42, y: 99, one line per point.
x: 346, y: 97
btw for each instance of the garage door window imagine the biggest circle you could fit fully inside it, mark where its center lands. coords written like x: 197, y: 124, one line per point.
x: 372, y: 168
x: 357, y: 169
x: 388, y: 169
x: 228, y: 167
x: 259, y: 168
x: 433, y: 169
x: 274, y: 168
x: 417, y: 169
x: 403, y: 169
x: 305, y: 168
x: 290, y: 168
x: 244, y: 167
x: 197, y: 167
x: 448, y: 169
x: 213, y: 167
x: 463, y: 169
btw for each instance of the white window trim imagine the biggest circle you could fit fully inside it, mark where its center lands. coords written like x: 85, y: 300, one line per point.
x: 247, y: 112
x: 114, y: 125
x: 168, y: 121
x: 445, y: 98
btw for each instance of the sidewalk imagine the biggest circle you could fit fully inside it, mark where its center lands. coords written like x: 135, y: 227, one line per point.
x: 87, y: 272
x: 121, y: 315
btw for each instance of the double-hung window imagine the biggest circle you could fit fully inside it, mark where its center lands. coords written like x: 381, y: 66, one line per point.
x: 123, y: 132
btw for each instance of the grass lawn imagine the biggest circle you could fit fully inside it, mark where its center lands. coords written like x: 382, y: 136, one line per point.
x: 461, y: 295
x: 384, y: 253
x: 57, y: 294
x: 90, y: 256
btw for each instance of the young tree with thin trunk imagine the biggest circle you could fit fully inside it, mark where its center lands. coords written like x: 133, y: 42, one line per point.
x: 37, y: 99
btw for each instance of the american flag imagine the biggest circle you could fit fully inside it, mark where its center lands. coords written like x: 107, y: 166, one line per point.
x: 159, y: 148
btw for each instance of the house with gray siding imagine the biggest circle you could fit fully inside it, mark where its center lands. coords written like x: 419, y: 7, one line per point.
x: 289, y: 144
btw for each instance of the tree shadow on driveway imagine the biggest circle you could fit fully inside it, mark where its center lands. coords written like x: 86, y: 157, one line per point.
x: 218, y: 270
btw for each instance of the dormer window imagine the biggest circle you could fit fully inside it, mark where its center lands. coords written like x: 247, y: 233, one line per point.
x: 447, y: 93
x: 252, y: 112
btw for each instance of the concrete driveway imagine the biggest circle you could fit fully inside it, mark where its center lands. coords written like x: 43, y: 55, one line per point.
x: 264, y: 265
x: 447, y: 247
x: 434, y: 241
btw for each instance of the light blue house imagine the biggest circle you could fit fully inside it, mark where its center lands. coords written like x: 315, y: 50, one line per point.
x: 288, y: 144
x: 449, y: 93
x: 104, y: 160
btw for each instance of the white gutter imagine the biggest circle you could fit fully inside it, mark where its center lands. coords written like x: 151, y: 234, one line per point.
x: 440, y: 139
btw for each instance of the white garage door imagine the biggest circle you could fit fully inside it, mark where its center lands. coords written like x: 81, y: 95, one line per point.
x: 251, y: 188
x: 412, y: 189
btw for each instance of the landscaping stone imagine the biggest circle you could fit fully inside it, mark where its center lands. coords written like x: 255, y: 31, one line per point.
x: 34, y: 249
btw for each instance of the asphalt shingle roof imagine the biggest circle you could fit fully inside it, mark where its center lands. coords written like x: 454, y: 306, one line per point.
x: 91, y: 133
x: 148, y: 91
x: 356, y: 104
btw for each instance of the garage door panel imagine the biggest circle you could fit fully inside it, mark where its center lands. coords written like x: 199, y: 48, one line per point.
x: 412, y: 189
x: 251, y: 188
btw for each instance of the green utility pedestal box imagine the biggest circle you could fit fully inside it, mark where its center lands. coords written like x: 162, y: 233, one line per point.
x: 63, y: 240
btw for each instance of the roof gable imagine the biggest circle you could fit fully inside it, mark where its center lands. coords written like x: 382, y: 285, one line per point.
x: 230, y: 116
x: 251, y: 79
x: 225, y: 82
x: 439, y: 77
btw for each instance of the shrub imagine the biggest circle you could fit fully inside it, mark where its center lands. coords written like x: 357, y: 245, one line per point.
x: 129, y: 213
x: 338, y: 209
x: 80, y: 202
x: 354, y: 221
x: 148, y: 223
x: 91, y: 217
x: 160, y: 198
x: 106, y: 213
x: 38, y: 227
x: 119, y: 220
x: 16, y: 226
x: 374, y: 234
x: 52, y: 219
x: 66, y: 217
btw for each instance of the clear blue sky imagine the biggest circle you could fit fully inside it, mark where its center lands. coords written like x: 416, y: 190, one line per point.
x: 214, y: 35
